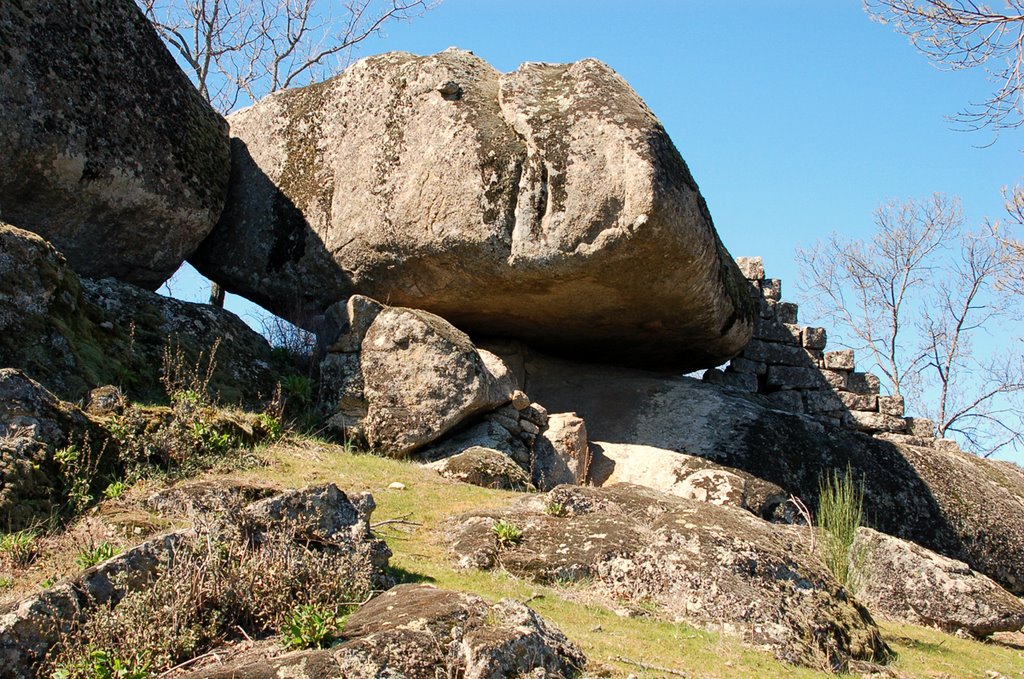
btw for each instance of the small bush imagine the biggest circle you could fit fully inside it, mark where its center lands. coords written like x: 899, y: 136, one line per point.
x: 840, y: 511
x: 311, y: 626
x: 507, y: 533
x: 19, y: 549
x: 79, y: 469
x: 187, y: 383
x: 298, y: 389
x: 270, y: 425
x: 115, y: 489
x: 102, y: 664
x: 554, y: 509
x: 91, y: 556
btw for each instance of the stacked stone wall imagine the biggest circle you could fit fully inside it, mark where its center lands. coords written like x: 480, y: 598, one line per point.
x: 789, y: 367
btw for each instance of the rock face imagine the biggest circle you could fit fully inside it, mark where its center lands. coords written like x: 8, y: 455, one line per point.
x: 75, y: 334
x: 546, y: 204
x: 959, y: 505
x: 907, y: 582
x: 34, y: 424
x: 419, y: 632
x: 710, y: 565
x: 109, y: 151
x: 484, y: 467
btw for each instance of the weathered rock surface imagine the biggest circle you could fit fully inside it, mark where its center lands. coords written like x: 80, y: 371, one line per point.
x: 546, y: 204
x: 561, y: 452
x: 109, y: 151
x: 318, y: 517
x: 35, y: 424
x: 905, y: 581
x: 714, y: 565
x: 75, y: 334
x: 421, y: 377
x: 959, y: 505
x: 484, y: 467
x: 419, y: 632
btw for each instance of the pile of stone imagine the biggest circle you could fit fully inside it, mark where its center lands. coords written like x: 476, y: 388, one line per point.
x: 787, y: 365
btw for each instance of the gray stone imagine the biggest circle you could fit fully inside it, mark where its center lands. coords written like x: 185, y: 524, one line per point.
x: 735, y: 380
x: 814, y: 338
x: 787, y: 312
x: 744, y: 365
x: 772, y: 330
x: 771, y: 288
x: 863, y: 383
x: 752, y: 268
x: 483, y: 467
x: 788, y: 400
x: 920, y: 426
x: 787, y: 377
x: 864, y: 402
x: 891, y: 405
x: 561, y: 453
x: 110, y: 153
x: 546, y: 205
x: 872, y: 422
x: 520, y: 401
x: 490, y: 434
x: 837, y: 379
x: 774, y: 353
x: 842, y: 359
x: 421, y: 378
x: 345, y: 323
x: 904, y: 581
x: 822, y: 401
x: 626, y: 544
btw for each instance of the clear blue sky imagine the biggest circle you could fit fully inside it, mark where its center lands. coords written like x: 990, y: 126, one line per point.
x: 796, y: 117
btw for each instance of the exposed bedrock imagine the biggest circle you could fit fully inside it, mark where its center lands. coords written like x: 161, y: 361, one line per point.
x: 547, y: 204
x: 954, y: 503
x: 110, y: 153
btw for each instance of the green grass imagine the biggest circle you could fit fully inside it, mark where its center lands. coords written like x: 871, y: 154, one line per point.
x: 840, y: 514
x: 419, y: 555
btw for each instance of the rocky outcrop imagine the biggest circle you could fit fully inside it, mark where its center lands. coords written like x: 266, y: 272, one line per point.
x: 34, y: 425
x: 546, y: 204
x: 75, y: 334
x: 484, y: 467
x: 717, y: 566
x: 109, y: 151
x: 319, y: 518
x: 904, y: 581
x: 561, y: 452
x: 420, y: 632
x: 959, y: 505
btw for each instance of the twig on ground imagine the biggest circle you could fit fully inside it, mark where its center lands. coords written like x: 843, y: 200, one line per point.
x: 647, y: 666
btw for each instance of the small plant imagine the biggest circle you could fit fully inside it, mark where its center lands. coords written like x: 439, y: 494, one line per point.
x: 103, y: 664
x: 507, y: 533
x: 90, y: 557
x: 299, y: 389
x: 269, y: 424
x: 19, y: 549
x: 115, y: 489
x: 311, y: 626
x: 187, y: 384
x: 207, y: 438
x: 6, y: 583
x: 554, y: 509
x: 840, y: 511
x: 78, y: 469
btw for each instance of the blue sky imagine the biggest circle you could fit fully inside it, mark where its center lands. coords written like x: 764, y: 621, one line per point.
x: 796, y: 117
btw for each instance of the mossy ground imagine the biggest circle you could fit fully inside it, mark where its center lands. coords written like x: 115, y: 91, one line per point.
x: 611, y: 640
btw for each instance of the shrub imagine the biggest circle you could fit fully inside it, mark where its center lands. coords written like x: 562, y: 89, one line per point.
x: 507, y: 533
x: 187, y: 383
x: 91, y: 556
x: 103, y: 664
x: 554, y: 509
x: 311, y: 626
x: 115, y: 489
x: 19, y: 549
x: 840, y: 511
x: 79, y: 469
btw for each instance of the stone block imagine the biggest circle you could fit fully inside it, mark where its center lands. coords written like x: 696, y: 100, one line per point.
x: 891, y: 405
x: 791, y: 377
x: 839, y: 360
x: 771, y: 330
x: 946, y: 445
x: 878, y: 422
x: 822, y: 401
x: 787, y: 312
x: 775, y: 353
x: 837, y: 379
x: 752, y: 268
x: 766, y: 308
x: 743, y: 365
x: 863, y: 383
x: 920, y: 426
x: 771, y: 288
x: 788, y: 400
x: 742, y: 381
x: 862, y: 402
x: 814, y: 338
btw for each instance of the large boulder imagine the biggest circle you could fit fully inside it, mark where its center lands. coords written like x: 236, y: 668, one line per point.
x: 904, y: 581
x: 959, y: 505
x: 546, y: 204
x: 75, y: 334
x: 420, y: 632
x: 109, y: 151
x: 34, y: 426
x: 717, y: 566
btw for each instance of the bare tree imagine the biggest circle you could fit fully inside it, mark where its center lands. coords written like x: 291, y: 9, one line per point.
x: 916, y: 299
x: 962, y: 34
x: 239, y: 50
